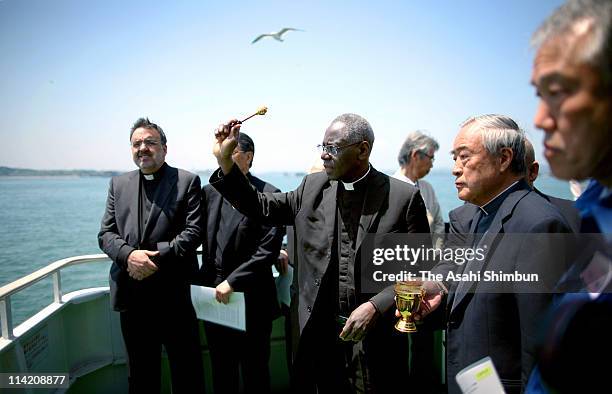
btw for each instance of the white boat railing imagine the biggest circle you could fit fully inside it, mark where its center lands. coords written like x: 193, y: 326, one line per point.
x: 53, y: 270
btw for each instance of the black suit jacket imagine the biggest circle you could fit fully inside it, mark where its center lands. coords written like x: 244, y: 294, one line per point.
x: 390, y: 206
x: 460, y: 218
x: 483, y: 322
x: 173, y: 228
x: 249, y: 249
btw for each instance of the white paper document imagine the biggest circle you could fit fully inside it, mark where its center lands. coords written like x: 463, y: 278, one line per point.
x: 480, y: 378
x: 207, y: 308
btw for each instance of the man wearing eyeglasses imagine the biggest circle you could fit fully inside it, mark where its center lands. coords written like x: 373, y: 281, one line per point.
x: 346, y: 338
x: 150, y: 230
x: 416, y: 157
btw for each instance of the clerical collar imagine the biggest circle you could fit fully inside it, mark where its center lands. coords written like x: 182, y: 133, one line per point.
x: 351, y: 185
x: 493, y: 205
x: 156, y: 175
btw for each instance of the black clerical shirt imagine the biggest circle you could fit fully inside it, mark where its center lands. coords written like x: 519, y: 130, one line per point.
x: 224, y: 217
x: 485, y: 214
x: 148, y: 188
x: 350, y: 206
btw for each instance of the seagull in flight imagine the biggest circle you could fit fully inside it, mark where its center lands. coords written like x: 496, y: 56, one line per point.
x: 277, y: 36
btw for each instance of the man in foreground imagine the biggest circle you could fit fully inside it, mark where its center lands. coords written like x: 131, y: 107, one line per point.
x: 572, y: 74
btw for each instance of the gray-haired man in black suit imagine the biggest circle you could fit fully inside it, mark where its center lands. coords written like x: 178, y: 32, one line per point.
x: 483, y: 320
x: 461, y: 217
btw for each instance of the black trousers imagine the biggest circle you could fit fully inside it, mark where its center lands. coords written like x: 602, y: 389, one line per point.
x: 384, y: 362
x: 176, y: 328
x: 231, y: 350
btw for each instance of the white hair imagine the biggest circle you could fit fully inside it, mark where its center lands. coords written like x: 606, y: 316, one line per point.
x: 498, y: 132
x: 579, y: 17
x: 416, y: 141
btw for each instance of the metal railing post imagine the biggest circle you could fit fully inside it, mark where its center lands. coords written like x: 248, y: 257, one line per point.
x: 54, y: 270
x: 57, y: 287
x: 6, y: 317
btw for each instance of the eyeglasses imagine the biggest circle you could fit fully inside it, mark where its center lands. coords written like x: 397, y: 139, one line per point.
x: 333, y: 149
x: 431, y: 157
x: 149, y: 143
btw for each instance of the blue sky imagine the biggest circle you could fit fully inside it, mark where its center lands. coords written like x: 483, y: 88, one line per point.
x: 74, y: 75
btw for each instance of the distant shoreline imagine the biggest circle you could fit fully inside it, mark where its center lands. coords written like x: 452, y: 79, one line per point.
x: 11, y: 172
x: 26, y: 172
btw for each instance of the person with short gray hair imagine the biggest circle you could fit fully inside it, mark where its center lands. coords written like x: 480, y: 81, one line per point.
x: 499, y: 132
x: 572, y: 76
x: 583, y: 28
x: 489, y: 155
x: 416, y: 157
x: 484, y: 141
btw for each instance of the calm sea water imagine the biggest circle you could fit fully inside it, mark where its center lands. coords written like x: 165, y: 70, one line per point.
x: 46, y: 219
